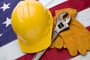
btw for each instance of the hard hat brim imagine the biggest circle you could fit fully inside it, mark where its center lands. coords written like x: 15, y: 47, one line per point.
x: 39, y: 46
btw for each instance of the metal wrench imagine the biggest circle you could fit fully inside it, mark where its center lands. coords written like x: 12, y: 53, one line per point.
x: 61, y: 24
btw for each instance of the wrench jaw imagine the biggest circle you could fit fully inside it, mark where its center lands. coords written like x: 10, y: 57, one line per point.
x: 59, y: 29
x: 62, y: 24
x: 62, y: 21
x: 62, y: 15
x: 68, y: 19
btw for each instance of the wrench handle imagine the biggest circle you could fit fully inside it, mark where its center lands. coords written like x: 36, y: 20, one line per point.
x: 38, y: 55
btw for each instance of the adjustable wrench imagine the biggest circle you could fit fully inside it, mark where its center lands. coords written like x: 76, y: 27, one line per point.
x: 61, y: 24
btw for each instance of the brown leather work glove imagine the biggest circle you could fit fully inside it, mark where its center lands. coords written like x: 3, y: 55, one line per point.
x: 76, y: 38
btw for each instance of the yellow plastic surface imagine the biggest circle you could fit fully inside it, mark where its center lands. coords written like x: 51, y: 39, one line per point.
x: 32, y: 23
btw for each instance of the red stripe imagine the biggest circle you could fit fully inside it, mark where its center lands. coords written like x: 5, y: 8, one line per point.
x: 88, y: 28
x: 50, y: 54
x: 77, y: 4
x: 62, y: 54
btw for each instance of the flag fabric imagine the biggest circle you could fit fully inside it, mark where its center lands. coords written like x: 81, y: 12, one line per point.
x: 6, y: 33
x: 9, y: 48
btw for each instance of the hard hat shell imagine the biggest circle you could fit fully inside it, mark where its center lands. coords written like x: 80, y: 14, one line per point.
x: 32, y: 23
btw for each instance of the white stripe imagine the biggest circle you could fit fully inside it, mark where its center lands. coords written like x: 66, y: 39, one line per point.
x: 84, y: 17
x: 80, y: 57
x: 10, y: 51
x: 51, y: 3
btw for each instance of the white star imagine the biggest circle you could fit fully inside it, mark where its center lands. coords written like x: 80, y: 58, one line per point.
x: 5, y: 6
x: 7, y: 22
x: 1, y: 35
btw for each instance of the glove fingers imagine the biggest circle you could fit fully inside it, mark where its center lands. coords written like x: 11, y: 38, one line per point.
x: 84, y: 36
x: 70, y: 44
x: 80, y: 44
x: 64, y: 45
x: 58, y: 43
x: 86, y: 40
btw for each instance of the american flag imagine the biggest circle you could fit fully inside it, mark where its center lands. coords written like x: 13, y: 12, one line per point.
x: 9, y: 48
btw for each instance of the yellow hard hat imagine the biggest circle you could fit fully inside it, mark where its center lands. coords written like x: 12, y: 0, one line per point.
x: 32, y: 23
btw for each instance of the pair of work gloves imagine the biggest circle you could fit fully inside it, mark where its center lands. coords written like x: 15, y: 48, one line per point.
x: 76, y: 38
